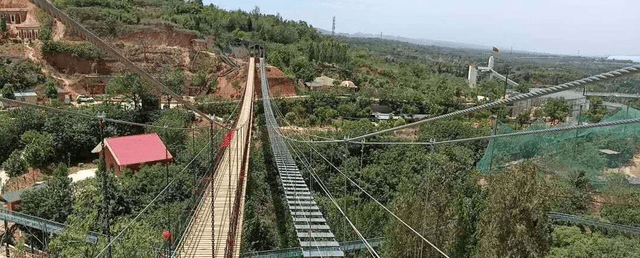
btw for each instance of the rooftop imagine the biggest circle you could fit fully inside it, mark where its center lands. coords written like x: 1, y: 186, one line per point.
x: 136, y: 149
x: 25, y: 94
x: 321, y: 81
x: 15, y: 196
x: 567, y: 95
x: 13, y: 10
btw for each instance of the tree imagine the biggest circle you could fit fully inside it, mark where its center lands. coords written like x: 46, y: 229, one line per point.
x: 441, y: 202
x: 556, y: 109
x: 596, y: 111
x: 53, y: 202
x: 572, y: 242
x: 51, y: 90
x: 514, y: 223
x: 174, y: 81
x: 492, y: 89
x: 523, y: 87
x: 22, y: 75
x: 174, y: 118
x: 199, y: 79
x: 15, y: 165
x: 523, y: 117
x: 10, y: 140
x: 38, y: 149
x: 3, y: 26
x: 303, y: 70
x: 7, y: 92
x: 131, y: 86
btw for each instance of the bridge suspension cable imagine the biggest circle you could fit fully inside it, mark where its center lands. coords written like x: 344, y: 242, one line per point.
x: 531, y: 95
x: 278, y: 131
x: 376, y: 201
x: 150, y: 203
x: 325, y: 189
x: 69, y: 112
x: 543, y: 131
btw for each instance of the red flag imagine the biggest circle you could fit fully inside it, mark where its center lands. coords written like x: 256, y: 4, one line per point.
x: 166, y: 235
x: 227, y: 139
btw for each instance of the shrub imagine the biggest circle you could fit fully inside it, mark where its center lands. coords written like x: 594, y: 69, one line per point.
x: 84, y: 50
x: 15, y: 165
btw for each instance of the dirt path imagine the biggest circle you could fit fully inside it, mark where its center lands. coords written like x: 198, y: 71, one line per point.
x: 60, y: 30
x: 48, y: 70
x: 634, y: 169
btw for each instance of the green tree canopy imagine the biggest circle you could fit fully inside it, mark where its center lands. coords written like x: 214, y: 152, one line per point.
x: 38, y: 149
x: 514, y: 223
x: 572, y: 242
x: 174, y: 80
x: 53, y: 202
x: 15, y: 165
x: 51, y: 89
x: 556, y: 109
x: 131, y: 86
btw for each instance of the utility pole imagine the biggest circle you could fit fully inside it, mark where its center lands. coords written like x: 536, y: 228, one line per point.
x: 107, y: 230
x: 213, y: 177
x: 575, y: 140
x: 6, y: 233
x: 333, y: 29
x: 166, y: 173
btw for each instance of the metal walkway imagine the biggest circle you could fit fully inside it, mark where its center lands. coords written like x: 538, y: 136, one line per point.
x: 296, y: 252
x: 314, y: 235
x: 561, y: 217
x: 45, y: 225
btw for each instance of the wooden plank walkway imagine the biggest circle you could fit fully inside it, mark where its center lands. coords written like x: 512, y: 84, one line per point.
x: 234, y: 162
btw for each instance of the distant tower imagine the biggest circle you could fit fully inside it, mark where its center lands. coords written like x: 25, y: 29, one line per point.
x: 333, y: 29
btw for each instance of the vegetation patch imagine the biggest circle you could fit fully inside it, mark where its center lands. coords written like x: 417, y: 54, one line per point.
x: 85, y: 50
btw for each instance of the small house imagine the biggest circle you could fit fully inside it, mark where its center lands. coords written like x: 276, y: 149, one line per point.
x: 13, y: 200
x: 320, y: 83
x: 133, y: 152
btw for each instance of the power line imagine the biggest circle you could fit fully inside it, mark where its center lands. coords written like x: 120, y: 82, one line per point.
x: 325, y: 189
x: 152, y: 201
x: 531, y: 95
x: 52, y: 109
x: 550, y: 130
x: 364, y: 191
x: 378, y: 202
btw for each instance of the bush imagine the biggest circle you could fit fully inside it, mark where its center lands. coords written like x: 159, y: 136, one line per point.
x: 85, y: 50
x: 38, y: 149
x: 15, y: 165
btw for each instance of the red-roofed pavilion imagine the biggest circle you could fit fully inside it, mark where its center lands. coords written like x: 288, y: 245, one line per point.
x: 134, y: 151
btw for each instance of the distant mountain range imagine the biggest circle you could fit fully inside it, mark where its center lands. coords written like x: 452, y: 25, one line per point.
x: 427, y: 42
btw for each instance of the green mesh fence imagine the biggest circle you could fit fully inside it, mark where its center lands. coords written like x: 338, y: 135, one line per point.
x: 588, y: 150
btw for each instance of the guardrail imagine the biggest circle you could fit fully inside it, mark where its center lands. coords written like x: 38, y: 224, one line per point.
x: 561, y: 217
x: 348, y: 246
x: 45, y: 225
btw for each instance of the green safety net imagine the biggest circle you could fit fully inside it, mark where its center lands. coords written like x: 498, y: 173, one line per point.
x: 591, y: 150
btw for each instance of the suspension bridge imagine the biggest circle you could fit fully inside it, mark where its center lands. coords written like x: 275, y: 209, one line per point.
x: 215, y: 228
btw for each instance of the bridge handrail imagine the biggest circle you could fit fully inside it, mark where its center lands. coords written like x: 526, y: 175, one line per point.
x: 297, y: 252
x: 40, y: 223
x: 556, y: 216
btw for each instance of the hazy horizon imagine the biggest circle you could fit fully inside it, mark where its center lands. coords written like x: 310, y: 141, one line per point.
x: 590, y: 27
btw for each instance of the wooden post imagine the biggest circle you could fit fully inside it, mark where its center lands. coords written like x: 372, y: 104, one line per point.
x: 6, y: 233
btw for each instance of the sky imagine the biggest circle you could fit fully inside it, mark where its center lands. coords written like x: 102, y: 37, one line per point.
x: 588, y: 27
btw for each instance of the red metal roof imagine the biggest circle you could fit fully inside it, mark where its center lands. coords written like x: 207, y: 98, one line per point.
x: 137, y: 149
